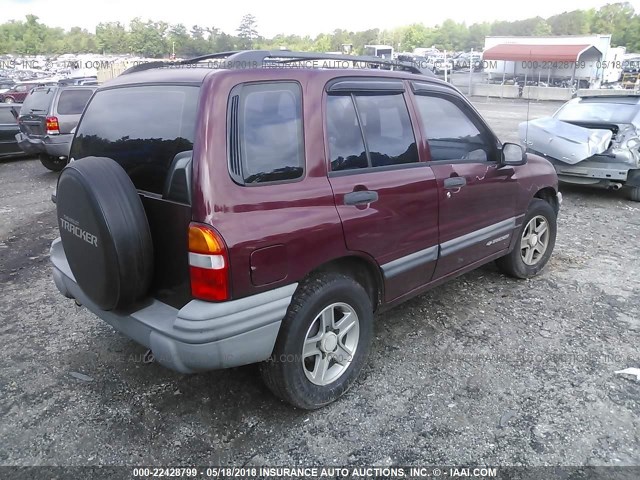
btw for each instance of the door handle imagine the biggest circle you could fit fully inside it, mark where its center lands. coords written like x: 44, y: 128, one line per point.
x: 361, y: 197
x: 455, y: 182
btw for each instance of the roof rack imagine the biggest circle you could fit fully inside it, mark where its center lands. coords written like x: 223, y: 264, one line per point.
x: 273, y: 58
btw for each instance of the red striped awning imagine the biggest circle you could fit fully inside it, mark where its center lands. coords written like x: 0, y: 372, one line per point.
x: 539, y: 53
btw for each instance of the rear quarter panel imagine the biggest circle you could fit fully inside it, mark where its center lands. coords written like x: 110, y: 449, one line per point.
x: 299, y: 218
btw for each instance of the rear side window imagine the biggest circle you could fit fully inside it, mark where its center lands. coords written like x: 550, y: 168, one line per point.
x: 266, y: 142
x: 346, y: 145
x: 38, y: 101
x: 380, y: 134
x: 143, y: 128
x: 72, y: 102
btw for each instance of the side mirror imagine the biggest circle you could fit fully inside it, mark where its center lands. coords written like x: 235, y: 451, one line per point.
x: 513, y: 154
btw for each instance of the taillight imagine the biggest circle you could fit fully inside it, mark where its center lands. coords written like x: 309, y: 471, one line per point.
x: 208, y: 264
x: 53, y: 127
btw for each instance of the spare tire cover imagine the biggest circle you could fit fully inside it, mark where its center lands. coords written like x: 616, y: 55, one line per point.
x: 105, y: 232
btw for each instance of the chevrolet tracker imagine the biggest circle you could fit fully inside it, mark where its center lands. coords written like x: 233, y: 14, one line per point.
x: 223, y: 217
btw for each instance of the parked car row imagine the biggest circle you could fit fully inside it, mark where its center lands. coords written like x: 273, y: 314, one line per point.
x: 43, y: 125
x: 47, y: 118
x: 11, y: 92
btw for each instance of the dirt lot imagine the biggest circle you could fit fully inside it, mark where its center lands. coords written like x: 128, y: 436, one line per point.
x: 483, y: 370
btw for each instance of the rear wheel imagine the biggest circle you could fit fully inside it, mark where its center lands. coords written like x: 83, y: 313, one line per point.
x: 536, y: 240
x: 323, y: 343
x: 54, y: 164
x: 9, y: 100
x: 633, y: 185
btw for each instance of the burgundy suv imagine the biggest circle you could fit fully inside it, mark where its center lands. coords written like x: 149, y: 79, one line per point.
x: 263, y: 213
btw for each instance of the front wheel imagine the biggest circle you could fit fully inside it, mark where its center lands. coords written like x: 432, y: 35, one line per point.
x: 54, y: 164
x: 536, y: 239
x: 323, y: 342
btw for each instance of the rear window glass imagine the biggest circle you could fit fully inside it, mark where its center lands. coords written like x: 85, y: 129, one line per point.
x: 597, y: 112
x: 38, y: 101
x: 72, y: 102
x: 142, y: 128
x: 6, y: 116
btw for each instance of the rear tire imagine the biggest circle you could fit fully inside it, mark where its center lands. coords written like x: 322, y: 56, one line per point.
x: 323, y: 343
x: 9, y: 100
x: 535, y: 241
x: 54, y: 164
x: 634, y: 193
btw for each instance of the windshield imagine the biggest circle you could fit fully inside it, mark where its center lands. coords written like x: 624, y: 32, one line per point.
x: 142, y: 128
x: 598, y: 112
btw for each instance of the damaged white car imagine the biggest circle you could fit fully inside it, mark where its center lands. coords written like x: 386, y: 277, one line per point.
x: 591, y: 141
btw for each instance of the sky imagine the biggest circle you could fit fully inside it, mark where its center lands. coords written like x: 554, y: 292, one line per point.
x: 287, y: 16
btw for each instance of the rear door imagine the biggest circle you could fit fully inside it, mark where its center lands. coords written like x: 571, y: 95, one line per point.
x: 70, y: 105
x: 477, y: 197
x: 34, y: 111
x: 386, y: 197
x: 8, y: 130
x: 149, y: 130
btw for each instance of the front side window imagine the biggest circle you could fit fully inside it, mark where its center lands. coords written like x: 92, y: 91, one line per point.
x: 266, y: 142
x: 452, y: 135
x: 368, y: 131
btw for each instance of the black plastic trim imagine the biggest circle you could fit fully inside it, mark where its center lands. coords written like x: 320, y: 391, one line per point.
x: 366, y: 85
x: 486, y: 233
x: 409, y: 262
x: 386, y: 168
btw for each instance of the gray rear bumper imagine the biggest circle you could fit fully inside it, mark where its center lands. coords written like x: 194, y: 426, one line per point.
x: 591, y: 172
x: 54, y: 145
x: 201, y: 335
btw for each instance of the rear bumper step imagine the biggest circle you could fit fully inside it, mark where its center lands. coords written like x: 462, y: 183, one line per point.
x: 201, y: 335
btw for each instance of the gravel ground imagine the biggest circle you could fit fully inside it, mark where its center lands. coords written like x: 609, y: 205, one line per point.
x: 482, y: 370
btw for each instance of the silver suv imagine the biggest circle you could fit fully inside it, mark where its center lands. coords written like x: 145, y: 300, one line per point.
x: 47, y: 118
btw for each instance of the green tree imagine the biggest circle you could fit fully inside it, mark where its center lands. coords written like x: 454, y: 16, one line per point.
x: 247, y: 31
x: 111, y: 37
x: 577, y: 22
x: 148, y: 38
x: 613, y: 19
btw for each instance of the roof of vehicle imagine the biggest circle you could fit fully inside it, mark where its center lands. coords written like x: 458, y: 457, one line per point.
x: 162, y: 75
x: 194, y: 71
x: 626, y: 99
x: 196, y: 76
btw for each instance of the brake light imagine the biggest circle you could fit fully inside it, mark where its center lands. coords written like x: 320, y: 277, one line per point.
x: 53, y: 127
x: 208, y: 264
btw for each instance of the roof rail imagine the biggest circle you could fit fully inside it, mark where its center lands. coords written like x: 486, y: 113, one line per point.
x: 262, y: 57
x: 145, y: 66
x: 271, y: 58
